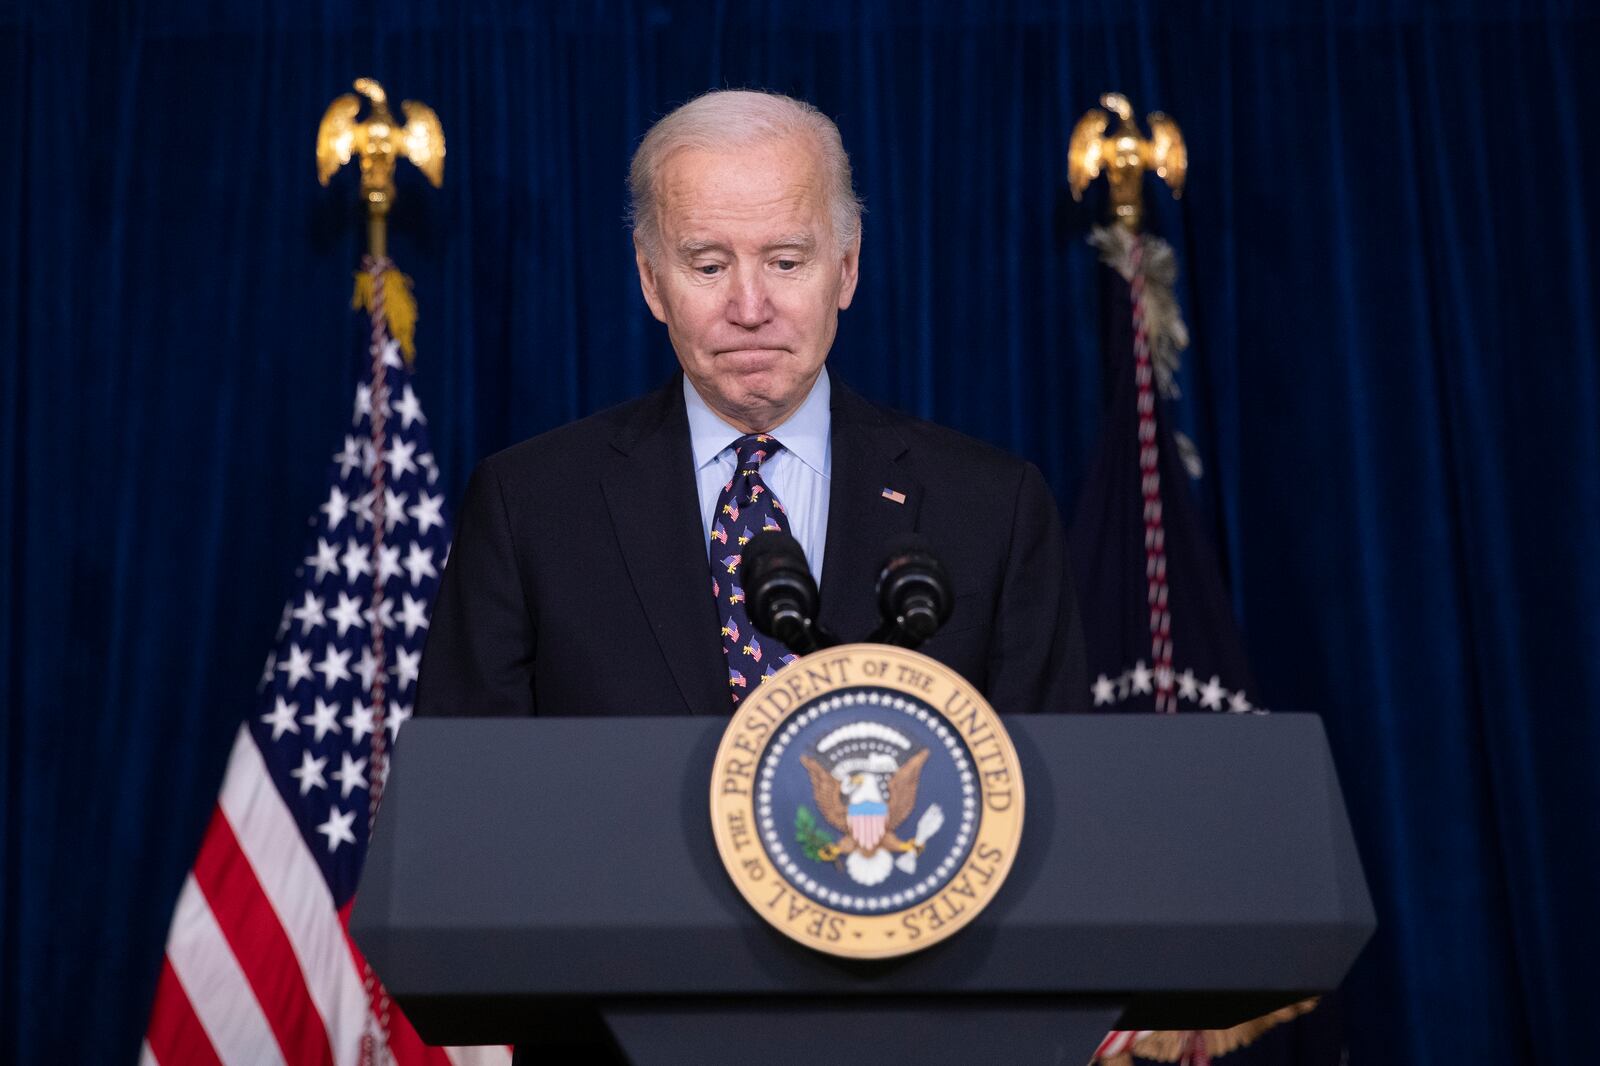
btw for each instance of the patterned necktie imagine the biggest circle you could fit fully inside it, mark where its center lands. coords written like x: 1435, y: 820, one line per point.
x: 745, y: 508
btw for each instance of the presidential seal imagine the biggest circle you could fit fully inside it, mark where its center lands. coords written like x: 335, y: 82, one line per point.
x: 867, y: 801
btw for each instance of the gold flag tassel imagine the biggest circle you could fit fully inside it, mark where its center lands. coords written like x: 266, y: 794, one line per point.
x: 399, y: 307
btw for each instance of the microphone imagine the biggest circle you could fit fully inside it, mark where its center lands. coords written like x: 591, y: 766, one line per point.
x: 780, y: 593
x: 914, y: 595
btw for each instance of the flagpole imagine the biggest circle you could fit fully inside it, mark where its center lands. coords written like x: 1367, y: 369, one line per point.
x: 378, y: 141
x: 378, y: 232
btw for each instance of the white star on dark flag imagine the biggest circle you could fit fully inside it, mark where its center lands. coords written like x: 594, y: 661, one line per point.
x: 309, y: 614
x: 419, y: 563
x: 310, y: 772
x: 399, y: 714
x: 359, y: 722
x: 409, y: 409
x: 297, y: 666
x: 323, y: 720
x: 337, y: 828
x: 347, y: 615
x: 407, y: 664
x: 334, y: 666
x: 399, y: 458
x: 281, y: 718
x: 426, y: 512
x: 336, y: 508
x: 351, y: 773
x: 326, y: 559
x: 350, y: 458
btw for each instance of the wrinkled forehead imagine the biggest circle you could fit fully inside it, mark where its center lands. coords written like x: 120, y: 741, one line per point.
x: 750, y: 194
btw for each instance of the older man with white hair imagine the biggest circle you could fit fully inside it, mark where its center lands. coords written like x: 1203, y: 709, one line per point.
x: 596, y: 567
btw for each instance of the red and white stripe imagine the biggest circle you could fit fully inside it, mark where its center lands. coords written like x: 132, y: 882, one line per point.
x: 259, y: 966
x: 1118, y: 1042
x: 1155, y: 537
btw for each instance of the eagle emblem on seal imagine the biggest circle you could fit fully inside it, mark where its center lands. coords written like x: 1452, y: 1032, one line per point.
x: 864, y: 778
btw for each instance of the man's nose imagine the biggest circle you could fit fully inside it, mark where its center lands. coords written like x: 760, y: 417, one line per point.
x: 748, y: 305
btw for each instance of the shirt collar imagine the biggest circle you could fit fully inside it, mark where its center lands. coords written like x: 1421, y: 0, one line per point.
x: 804, y: 433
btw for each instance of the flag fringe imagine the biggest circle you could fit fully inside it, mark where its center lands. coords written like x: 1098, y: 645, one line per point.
x: 1163, y: 318
x: 399, y: 307
x: 1174, y: 1046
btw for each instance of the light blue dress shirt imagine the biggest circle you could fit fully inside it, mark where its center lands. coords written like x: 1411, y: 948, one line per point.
x: 798, y: 475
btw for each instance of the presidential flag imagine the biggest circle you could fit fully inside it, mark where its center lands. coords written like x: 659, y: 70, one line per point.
x: 1164, y: 638
x: 259, y: 966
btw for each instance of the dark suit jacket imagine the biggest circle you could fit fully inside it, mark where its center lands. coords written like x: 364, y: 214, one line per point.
x: 579, y: 582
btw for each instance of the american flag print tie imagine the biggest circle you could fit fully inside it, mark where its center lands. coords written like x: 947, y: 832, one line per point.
x: 745, y: 507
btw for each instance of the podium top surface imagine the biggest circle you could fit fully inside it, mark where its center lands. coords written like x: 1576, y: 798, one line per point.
x: 573, y: 857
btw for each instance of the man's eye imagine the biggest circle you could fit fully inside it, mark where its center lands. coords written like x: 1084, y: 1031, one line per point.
x: 709, y: 270
x: 788, y: 264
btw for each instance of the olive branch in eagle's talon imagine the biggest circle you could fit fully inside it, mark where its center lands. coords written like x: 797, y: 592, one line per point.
x: 813, y: 840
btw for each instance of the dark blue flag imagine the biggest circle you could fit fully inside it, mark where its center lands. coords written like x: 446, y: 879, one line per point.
x: 1162, y: 636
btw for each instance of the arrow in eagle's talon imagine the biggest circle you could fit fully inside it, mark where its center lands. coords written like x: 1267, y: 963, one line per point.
x: 930, y: 822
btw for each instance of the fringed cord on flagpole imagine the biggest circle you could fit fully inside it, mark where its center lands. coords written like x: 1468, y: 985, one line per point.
x: 374, y: 1045
x: 1155, y: 538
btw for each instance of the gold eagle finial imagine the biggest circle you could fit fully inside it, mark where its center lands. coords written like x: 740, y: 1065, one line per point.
x: 1125, y: 156
x: 379, y: 141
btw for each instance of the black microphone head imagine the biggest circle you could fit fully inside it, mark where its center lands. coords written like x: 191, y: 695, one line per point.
x: 914, y: 594
x: 780, y: 593
x: 771, y: 549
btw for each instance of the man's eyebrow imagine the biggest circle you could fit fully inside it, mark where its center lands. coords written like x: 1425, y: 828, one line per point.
x: 690, y: 249
x: 800, y: 242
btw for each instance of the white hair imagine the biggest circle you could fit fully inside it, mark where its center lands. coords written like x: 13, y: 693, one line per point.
x: 733, y: 118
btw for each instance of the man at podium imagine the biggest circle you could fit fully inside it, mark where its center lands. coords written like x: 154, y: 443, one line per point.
x: 596, y: 567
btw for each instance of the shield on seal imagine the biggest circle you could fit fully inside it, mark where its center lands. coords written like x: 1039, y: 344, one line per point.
x: 867, y: 821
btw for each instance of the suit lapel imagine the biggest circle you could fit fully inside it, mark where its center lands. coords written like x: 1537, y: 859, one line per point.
x: 861, y: 520
x: 654, y: 504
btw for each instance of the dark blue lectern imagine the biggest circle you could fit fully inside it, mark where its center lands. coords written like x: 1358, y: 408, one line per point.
x: 1175, y: 872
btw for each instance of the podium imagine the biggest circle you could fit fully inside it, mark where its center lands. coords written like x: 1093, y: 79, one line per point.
x: 1187, y: 871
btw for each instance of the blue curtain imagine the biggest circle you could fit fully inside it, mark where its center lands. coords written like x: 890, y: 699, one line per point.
x: 1388, y: 266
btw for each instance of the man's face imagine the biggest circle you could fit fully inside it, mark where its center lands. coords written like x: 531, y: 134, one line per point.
x: 749, y: 279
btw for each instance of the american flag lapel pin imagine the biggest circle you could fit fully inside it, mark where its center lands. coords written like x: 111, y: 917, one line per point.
x: 894, y: 497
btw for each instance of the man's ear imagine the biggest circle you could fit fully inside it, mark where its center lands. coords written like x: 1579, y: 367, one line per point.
x: 647, y: 281
x: 849, y: 274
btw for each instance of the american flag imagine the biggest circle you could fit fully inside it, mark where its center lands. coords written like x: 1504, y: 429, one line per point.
x: 259, y: 966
